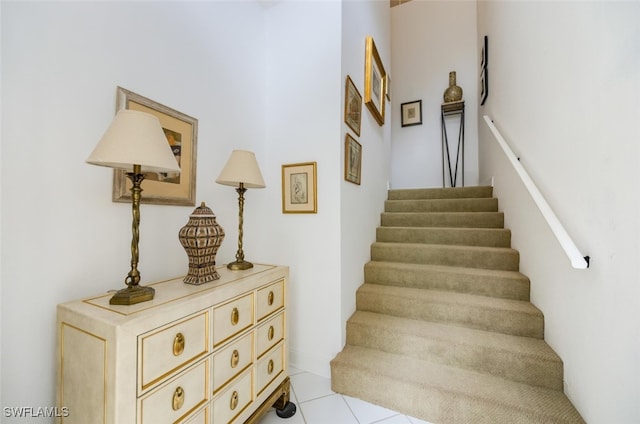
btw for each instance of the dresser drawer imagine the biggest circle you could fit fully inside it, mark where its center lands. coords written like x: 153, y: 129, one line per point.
x: 270, y: 333
x: 201, y: 417
x: 176, y: 399
x: 231, y: 318
x: 233, y: 359
x: 164, y: 350
x: 270, y: 299
x: 233, y: 400
x: 269, y: 368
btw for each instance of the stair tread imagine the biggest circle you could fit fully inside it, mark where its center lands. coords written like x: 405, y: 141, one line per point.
x: 440, y: 193
x: 446, y: 246
x: 499, y: 273
x: 452, y: 298
x: 478, y: 204
x: 527, y: 346
x: 486, y: 257
x: 488, y: 394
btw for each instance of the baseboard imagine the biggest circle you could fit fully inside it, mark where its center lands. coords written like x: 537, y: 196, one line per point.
x: 309, y: 362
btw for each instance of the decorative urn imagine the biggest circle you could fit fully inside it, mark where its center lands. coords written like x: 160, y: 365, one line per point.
x: 453, y: 93
x: 201, y: 238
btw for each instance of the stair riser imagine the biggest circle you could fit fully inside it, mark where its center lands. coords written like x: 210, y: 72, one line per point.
x: 503, y: 321
x: 439, y: 193
x: 517, y: 367
x: 442, y: 205
x: 483, y: 258
x: 457, y: 236
x: 442, y: 219
x: 397, y: 275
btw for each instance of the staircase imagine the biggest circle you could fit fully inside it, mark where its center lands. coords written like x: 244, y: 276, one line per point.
x: 444, y: 330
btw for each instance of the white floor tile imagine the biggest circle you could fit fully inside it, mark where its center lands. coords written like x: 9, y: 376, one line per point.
x: 309, y: 386
x: 316, y: 403
x: 396, y: 419
x: 367, y: 412
x: 328, y: 410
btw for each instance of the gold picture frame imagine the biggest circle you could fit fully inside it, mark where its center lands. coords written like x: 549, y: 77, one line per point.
x: 352, y: 160
x: 182, y: 134
x: 299, y: 188
x: 352, y: 106
x: 374, y: 81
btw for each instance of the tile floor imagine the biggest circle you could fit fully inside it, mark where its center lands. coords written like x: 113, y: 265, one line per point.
x: 318, y: 404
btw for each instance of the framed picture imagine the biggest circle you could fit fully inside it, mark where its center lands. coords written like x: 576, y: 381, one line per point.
x: 299, y: 189
x: 352, y: 106
x: 411, y: 113
x: 484, y: 59
x: 387, y: 88
x: 484, y: 85
x: 374, y: 81
x: 484, y: 72
x: 182, y: 134
x: 352, y: 160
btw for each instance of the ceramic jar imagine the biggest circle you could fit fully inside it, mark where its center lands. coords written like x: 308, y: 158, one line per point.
x: 201, y: 238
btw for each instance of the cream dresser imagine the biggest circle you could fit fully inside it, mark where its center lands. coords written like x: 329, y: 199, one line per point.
x: 211, y: 354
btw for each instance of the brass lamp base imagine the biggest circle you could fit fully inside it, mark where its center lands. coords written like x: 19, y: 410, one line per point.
x: 239, y: 265
x: 132, y: 295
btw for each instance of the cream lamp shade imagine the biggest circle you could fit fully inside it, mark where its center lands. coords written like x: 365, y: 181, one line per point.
x: 241, y: 168
x: 134, y: 138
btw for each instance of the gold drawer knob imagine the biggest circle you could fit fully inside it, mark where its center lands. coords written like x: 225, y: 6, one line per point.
x: 234, y: 400
x: 178, y: 344
x: 271, y: 332
x: 270, y: 367
x: 178, y: 398
x: 235, y: 316
x: 235, y: 358
x: 270, y: 298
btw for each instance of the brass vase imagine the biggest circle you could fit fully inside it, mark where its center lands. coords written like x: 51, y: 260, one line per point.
x: 453, y: 93
x: 201, y: 238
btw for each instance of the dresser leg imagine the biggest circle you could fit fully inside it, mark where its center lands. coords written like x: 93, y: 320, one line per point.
x: 284, y: 407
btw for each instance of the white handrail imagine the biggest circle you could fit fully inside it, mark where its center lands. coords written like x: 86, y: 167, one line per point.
x: 578, y: 260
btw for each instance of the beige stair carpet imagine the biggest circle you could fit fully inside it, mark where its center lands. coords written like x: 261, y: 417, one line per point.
x: 444, y: 330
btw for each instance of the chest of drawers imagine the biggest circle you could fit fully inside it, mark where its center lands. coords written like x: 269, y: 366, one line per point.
x: 215, y: 353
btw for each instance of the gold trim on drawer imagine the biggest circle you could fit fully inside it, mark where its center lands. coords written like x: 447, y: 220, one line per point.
x: 178, y: 398
x: 227, y: 365
x: 269, y: 368
x: 164, y: 350
x: 270, y: 333
x: 232, y: 318
x: 270, y: 299
x: 233, y: 401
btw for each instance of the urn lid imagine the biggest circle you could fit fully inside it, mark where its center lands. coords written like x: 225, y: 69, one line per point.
x: 202, y: 211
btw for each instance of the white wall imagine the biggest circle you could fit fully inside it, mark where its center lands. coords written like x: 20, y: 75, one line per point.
x: 564, y: 91
x: 362, y: 204
x: 303, y: 80
x: 430, y: 39
x: 257, y: 75
x: 62, y: 237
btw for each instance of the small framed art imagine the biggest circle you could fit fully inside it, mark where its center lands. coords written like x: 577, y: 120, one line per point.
x: 352, y: 160
x: 299, y: 188
x: 411, y: 113
x: 352, y: 106
x: 484, y: 86
x: 182, y: 135
x: 374, y: 80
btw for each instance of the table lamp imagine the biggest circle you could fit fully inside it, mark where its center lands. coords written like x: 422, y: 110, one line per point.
x: 241, y: 171
x: 136, y: 143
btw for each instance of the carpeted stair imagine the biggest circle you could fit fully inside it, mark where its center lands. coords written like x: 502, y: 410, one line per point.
x: 444, y: 330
